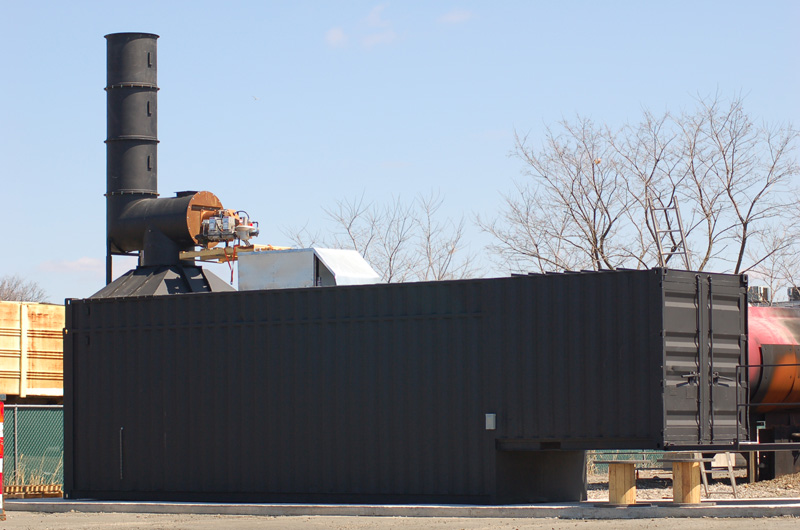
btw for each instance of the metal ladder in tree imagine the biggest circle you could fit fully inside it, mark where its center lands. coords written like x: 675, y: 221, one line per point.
x: 673, y: 235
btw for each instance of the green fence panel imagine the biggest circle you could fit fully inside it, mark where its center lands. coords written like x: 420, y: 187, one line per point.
x: 34, y: 445
x: 598, y: 460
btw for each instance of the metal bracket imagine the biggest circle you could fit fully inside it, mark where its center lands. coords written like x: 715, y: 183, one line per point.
x: 691, y: 377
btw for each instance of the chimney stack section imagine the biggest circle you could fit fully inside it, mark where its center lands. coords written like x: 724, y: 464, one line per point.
x: 132, y: 125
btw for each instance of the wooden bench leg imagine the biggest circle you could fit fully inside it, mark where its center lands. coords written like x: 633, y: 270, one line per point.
x: 686, y: 482
x: 621, y: 484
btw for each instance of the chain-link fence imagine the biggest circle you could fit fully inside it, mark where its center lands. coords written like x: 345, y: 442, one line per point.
x: 598, y: 460
x: 34, y: 445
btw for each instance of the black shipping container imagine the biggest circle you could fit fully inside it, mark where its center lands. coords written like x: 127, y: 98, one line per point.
x: 478, y: 391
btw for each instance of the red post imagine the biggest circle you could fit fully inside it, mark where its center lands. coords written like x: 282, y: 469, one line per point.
x: 2, y: 505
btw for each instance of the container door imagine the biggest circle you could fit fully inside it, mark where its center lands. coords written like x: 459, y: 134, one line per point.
x: 703, y: 340
x: 727, y: 344
x: 684, y: 355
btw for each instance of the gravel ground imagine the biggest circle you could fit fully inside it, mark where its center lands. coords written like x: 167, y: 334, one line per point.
x: 652, y: 485
x: 97, y: 521
x: 657, y: 485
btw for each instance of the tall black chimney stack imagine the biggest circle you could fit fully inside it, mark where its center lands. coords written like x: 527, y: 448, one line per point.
x: 132, y: 127
x: 137, y: 221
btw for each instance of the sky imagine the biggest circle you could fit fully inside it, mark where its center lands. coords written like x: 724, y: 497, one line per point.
x: 283, y: 108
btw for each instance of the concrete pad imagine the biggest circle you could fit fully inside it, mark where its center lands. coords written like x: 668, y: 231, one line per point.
x: 583, y: 510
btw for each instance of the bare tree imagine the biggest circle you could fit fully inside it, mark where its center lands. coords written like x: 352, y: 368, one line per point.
x: 392, y: 251
x: 572, y: 212
x: 585, y: 203
x: 440, y: 243
x: 381, y: 234
x: 301, y: 236
x: 17, y: 289
x: 352, y: 231
x: 525, y: 238
x: 646, y: 154
x: 753, y: 165
x: 402, y: 242
x: 776, y: 261
x: 701, y: 191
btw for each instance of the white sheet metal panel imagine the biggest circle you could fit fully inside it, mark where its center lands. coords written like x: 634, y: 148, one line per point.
x: 283, y: 269
x: 347, y: 266
x: 276, y: 269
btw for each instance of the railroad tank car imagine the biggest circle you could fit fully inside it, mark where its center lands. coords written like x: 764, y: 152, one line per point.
x: 773, y: 368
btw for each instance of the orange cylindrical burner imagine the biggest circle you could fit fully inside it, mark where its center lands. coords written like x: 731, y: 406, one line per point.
x: 774, y: 355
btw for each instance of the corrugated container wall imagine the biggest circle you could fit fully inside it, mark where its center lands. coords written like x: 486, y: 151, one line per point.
x: 31, y: 350
x: 385, y: 392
